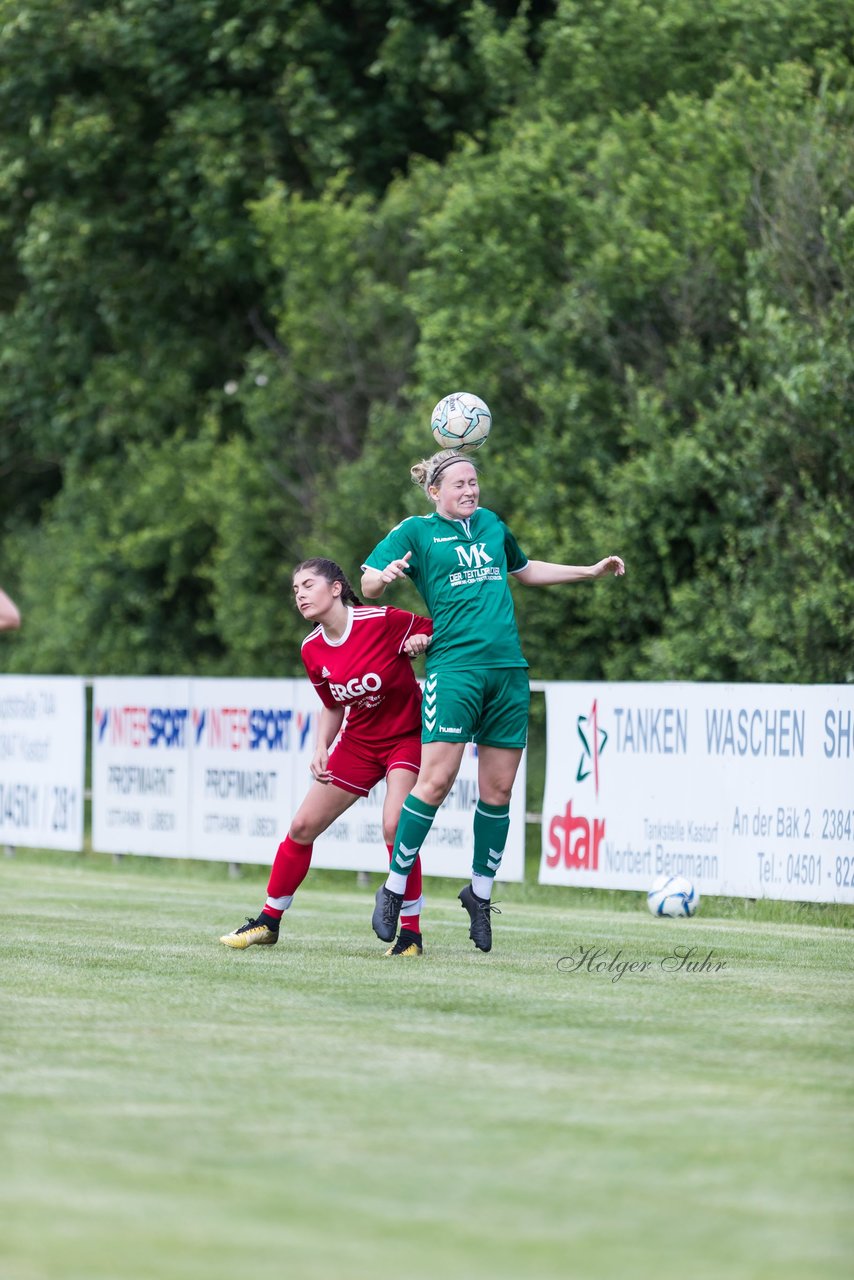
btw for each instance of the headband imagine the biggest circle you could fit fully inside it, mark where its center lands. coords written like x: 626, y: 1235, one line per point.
x: 444, y: 464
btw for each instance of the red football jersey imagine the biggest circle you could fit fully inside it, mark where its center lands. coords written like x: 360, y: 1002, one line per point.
x: 367, y: 672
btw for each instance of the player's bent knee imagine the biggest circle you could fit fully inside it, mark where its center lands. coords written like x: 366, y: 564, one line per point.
x: 434, y: 791
x: 303, y: 832
x: 496, y: 795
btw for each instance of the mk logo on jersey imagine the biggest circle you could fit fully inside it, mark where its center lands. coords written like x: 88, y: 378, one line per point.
x: 474, y: 556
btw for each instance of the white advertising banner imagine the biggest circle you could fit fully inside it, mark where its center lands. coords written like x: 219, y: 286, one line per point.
x: 42, y: 748
x: 748, y: 790
x: 140, y: 765
x: 356, y: 839
x: 251, y: 748
x: 216, y: 769
x: 251, y: 745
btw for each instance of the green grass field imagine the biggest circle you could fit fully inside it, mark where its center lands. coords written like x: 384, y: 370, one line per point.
x: 176, y: 1110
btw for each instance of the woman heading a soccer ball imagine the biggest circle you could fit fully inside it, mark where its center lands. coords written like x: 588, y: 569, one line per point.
x: 460, y: 558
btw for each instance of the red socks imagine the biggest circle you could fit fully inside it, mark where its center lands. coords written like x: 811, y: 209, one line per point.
x: 290, y: 868
x: 411, y: 896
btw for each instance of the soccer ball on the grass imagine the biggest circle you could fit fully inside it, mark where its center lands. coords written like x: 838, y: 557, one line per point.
x: 460, y: 421
x: 673, y: 896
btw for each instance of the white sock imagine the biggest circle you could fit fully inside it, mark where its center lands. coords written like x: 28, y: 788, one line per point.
x: 396, y: 881
x: 280, y: 904
x: 482, y: 885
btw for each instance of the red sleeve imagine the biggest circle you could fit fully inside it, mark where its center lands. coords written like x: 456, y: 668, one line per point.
x: 402, y: 625
x: 321, y: 685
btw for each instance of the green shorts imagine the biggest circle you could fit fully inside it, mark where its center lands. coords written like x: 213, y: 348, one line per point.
x: 488, y: 705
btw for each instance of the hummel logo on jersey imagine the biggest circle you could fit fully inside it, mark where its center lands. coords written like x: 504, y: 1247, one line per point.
x: 452, y: 538
x: 474, y: 556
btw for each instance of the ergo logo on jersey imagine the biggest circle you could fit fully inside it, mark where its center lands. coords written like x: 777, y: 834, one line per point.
x: 355, y: 688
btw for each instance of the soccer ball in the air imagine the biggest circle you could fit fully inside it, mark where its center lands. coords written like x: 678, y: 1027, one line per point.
x: 673, y: 896
x: 460, y: 421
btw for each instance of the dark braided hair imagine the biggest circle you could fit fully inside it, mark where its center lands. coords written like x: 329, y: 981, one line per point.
x: 332, y: 572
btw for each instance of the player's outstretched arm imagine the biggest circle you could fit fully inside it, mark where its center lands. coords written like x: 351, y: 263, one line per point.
x: 372, y: 584
x: 539, y: 573
x: 375, y: 581
x: 10, y: 618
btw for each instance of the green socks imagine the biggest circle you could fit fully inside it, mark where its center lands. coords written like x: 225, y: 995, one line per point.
x: 491, y: 825
x: 416, y: 819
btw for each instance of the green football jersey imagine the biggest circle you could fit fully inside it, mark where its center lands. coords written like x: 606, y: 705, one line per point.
x: 461, y: 568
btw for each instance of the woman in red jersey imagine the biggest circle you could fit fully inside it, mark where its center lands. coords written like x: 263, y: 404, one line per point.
x: 358, y: 659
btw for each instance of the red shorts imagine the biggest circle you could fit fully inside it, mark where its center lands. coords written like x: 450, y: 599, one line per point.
x: 357, y: 767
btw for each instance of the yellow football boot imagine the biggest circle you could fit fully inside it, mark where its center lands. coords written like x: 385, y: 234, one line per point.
x: 254, y: 931
x: 408, y: 944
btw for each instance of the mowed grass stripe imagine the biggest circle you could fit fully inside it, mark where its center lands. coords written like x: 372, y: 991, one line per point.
x: 170, y: 1108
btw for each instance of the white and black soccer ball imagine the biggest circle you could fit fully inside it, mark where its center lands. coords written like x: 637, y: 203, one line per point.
x: 461, y: 421
x: 673, y: 896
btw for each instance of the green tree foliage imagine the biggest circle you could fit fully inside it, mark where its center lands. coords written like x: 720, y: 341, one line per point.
x: 246, y: 247
x: 133, y: 136
x: 662, y: 316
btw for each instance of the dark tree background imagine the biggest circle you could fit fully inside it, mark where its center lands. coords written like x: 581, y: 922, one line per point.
x: 245, y: 247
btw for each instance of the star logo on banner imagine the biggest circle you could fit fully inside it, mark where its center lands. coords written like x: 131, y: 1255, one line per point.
x: 593, y: 739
